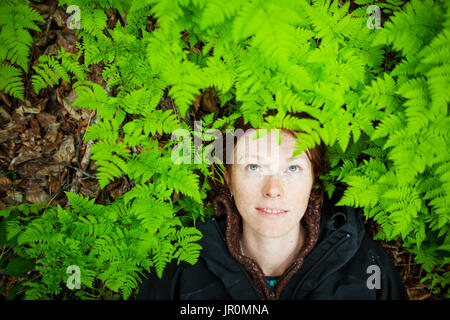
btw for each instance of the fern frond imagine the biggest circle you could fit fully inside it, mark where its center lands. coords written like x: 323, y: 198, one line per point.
x: 161, y: 256
x: 81, y: 204
x: 187, y: 249
x: 95, y: 98
x: 361, y: 192
x: 108, y: 158
x: 49, y: 71
x: 15, y: 18
x: 11, y: 82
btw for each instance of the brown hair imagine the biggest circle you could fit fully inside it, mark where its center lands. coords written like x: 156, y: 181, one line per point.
x: 317, y: 155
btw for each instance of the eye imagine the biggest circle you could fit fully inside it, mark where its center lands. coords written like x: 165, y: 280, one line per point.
x: 296, y: 168
x: 252, y: 167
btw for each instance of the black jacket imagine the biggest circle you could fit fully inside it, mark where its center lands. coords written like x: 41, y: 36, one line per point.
x: 337, y: 267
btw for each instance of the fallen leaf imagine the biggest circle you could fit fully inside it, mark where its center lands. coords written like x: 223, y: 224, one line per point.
x: 5, y: 181
x: 209, y: 101
x: 5, y: 117
x: 52, y: 50
x: 35, y: 128
x: 46, y: 119
x: 52, y: 132
x: 22, y: 109
x: 66, y: 150
x: 51, y: 170
x: 37, y: 195
x: 76, y: 112
x: 23, y: 157
x: 196, y: 103
x: 67, y: 40
x: 6, y: 135
x: 60, y: 17
x: 15, y: 195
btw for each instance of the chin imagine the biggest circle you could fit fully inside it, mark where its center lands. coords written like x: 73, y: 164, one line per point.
x: 271, y: 231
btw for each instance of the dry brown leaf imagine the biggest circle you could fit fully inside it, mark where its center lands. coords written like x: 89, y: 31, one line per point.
x: 2, y: 205
x: 196, y: 103
x: 46, y: 119
x: 35, y: 128
x: 52, y: 50
x: 22, y: 109
x: 5, y: 181
x: 23, y: 157
x: 5, y: 117
x: 37, y: 195
x: 52, y: 132
x: 75, y: 112
x: 53, y: 184
x: 67, y: 40
x: 209, y: 101
x: 6, y: 135
x: 15, y: 195
x: 51, y: 170
x: 60, y: 17
x: 66, y: 150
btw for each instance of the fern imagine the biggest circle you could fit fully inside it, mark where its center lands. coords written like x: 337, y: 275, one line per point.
x: 16, y: 19
x: 11, y: 82
x: 50, y: 70
x: 187, y: 249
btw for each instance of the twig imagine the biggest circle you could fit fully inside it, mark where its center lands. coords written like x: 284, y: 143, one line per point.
x: 49, y: 21
x: 407, y: 264
x: 65, y: 164
x: 84, y: 163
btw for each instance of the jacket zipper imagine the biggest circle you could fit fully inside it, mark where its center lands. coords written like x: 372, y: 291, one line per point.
x: 347, y: 236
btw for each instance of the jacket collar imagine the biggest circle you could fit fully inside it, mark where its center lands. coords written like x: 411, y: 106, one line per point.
x: 341, y: 236
x: 216, y: 255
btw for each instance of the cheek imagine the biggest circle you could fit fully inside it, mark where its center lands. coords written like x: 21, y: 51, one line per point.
x: 246, y: 190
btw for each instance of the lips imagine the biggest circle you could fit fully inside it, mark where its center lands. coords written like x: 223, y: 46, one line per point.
x: 272, y: 211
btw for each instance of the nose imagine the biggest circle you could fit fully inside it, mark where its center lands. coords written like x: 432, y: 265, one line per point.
x: 272, y: 188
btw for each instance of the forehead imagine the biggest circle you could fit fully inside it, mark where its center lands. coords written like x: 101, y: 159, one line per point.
x: 267, y: 145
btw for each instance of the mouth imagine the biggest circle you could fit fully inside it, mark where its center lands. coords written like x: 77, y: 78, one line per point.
x: 272, y: 211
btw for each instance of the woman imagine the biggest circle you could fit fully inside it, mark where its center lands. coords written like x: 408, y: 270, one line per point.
x: 274, y: 238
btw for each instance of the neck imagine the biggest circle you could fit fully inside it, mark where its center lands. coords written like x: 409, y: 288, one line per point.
x: 273, y: 255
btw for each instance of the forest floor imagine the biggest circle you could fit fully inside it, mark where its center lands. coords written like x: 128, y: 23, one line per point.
x: 43, y: 153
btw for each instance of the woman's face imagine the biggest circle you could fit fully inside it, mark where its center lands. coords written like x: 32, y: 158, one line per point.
x: 264, y: 177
